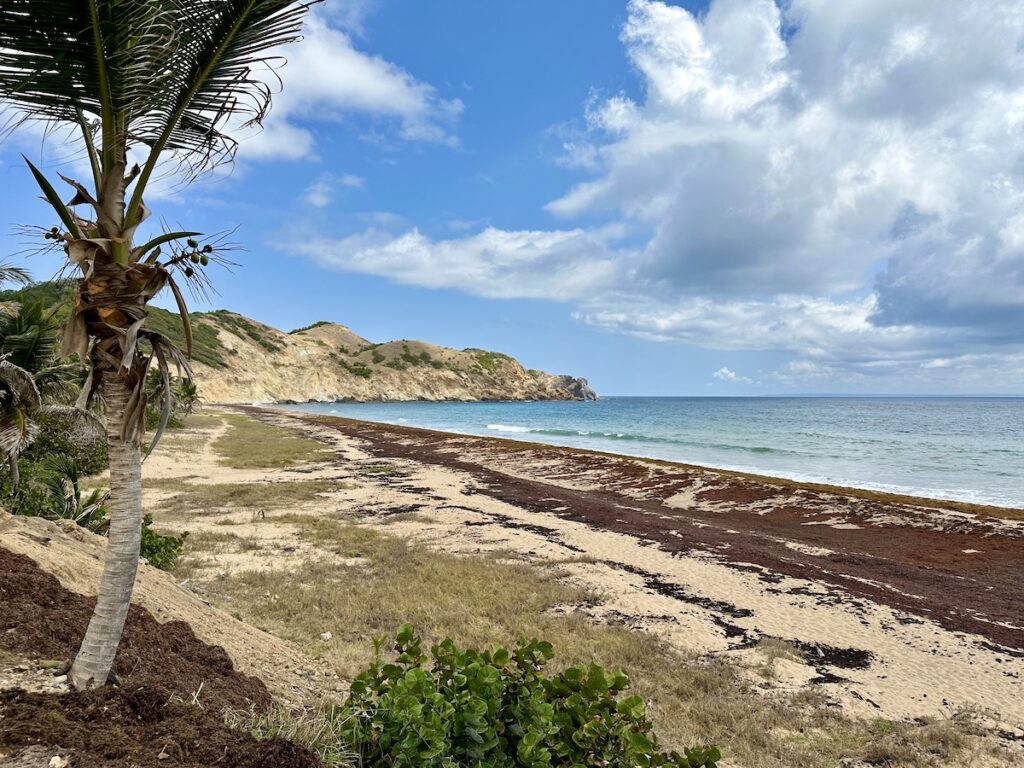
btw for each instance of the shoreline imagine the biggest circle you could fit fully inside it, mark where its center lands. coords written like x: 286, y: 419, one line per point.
x: 991, y: 510
x: 890, y: 609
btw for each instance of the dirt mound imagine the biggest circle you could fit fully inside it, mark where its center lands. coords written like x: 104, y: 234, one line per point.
x: 40, y: 619
x: 153, y: 717
x: 133, y: 726
x: 75, y: 557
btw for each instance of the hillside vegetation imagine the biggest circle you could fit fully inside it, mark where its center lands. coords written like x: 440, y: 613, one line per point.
x: 237, y: 359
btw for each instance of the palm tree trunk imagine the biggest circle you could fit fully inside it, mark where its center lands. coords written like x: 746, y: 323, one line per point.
x: 96, y: 657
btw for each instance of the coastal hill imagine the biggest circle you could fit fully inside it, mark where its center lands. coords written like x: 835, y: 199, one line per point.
x: 250, y: 361
x: 240, y: 360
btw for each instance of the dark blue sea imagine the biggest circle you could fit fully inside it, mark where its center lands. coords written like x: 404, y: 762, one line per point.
x: 969, y: 449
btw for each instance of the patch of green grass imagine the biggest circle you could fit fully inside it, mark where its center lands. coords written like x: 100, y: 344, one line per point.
x: 206, y: 344
x: 378, y: 469
x: 251, y: 444
x: 201, y: 421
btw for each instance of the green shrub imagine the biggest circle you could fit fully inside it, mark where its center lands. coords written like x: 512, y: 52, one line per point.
x: 32, y: 497
x: 243, y: 328
x: 160, y: 551
x: 356, y: 369
x: 64, y: 433
x: 489, y: 361
x: 497, y: 709
x: 310, y: 327
x: 378, y: 357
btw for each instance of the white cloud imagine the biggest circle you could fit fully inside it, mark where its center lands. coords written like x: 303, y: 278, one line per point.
x: 839, y: 181
x: 320, y: 193
x: 560, y: 265
x: 327, y: 79
x: 727, y: 374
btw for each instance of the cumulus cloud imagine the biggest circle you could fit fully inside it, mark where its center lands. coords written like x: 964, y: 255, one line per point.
x: 840, y: 181
x: 327, y: 78
x: 727, y: 374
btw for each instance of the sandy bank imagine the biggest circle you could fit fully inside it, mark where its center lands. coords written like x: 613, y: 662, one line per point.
x: 898, y: 608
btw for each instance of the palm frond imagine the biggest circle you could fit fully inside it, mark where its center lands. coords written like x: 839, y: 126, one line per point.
x: 61, y: 61
x: 29, y: 336
x: 9, y: 273
x: 170, y: 74
x: 18, y: 389
x: 219, y: 73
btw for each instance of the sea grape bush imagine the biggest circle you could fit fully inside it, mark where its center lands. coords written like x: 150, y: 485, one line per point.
x: 498, y: 709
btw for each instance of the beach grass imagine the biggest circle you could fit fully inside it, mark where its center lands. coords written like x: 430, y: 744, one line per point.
x: 363, y: 582
x: 216, y: 498
x: 251, y: 444
x: 377, y: 581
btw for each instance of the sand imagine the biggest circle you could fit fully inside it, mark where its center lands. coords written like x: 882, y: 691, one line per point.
x: 704, y: 561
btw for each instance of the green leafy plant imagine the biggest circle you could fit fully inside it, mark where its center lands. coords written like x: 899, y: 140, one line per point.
x: 53, y: 489
x: 498, y: 709
x: 159, y: 550
x: 65, y: 432
x: 361, y: 370
x: 63, y: 482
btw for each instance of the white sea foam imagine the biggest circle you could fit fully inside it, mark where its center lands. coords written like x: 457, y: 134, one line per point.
x: 509, y: 428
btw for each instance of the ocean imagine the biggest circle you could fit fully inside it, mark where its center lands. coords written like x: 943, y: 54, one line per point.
x: 966, y: 449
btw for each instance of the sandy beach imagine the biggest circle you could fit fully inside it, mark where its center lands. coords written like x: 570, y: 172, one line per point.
x: 897, y: 609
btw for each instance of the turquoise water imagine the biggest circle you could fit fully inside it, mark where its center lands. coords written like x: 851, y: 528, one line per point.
x: 970, y: 449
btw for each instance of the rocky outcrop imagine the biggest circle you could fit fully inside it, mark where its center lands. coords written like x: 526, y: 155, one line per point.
x: 327, y: 362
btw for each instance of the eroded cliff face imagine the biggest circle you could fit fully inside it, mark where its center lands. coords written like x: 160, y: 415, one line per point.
x: 328, y: 362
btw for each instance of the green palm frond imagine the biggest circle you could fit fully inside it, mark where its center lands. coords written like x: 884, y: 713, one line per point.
x: 29, y: 336
x: 63, y: 482
x: 220, y: 72
x: 101, y: 57
x: 170, y: 74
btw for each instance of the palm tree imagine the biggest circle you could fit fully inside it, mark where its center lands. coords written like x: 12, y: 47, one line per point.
x: 171, y: 78
x: 29, y: 371
x: 19, y: 403
x: 30, y: 339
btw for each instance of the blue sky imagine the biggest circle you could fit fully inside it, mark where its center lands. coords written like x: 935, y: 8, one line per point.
x: 734, y: 198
